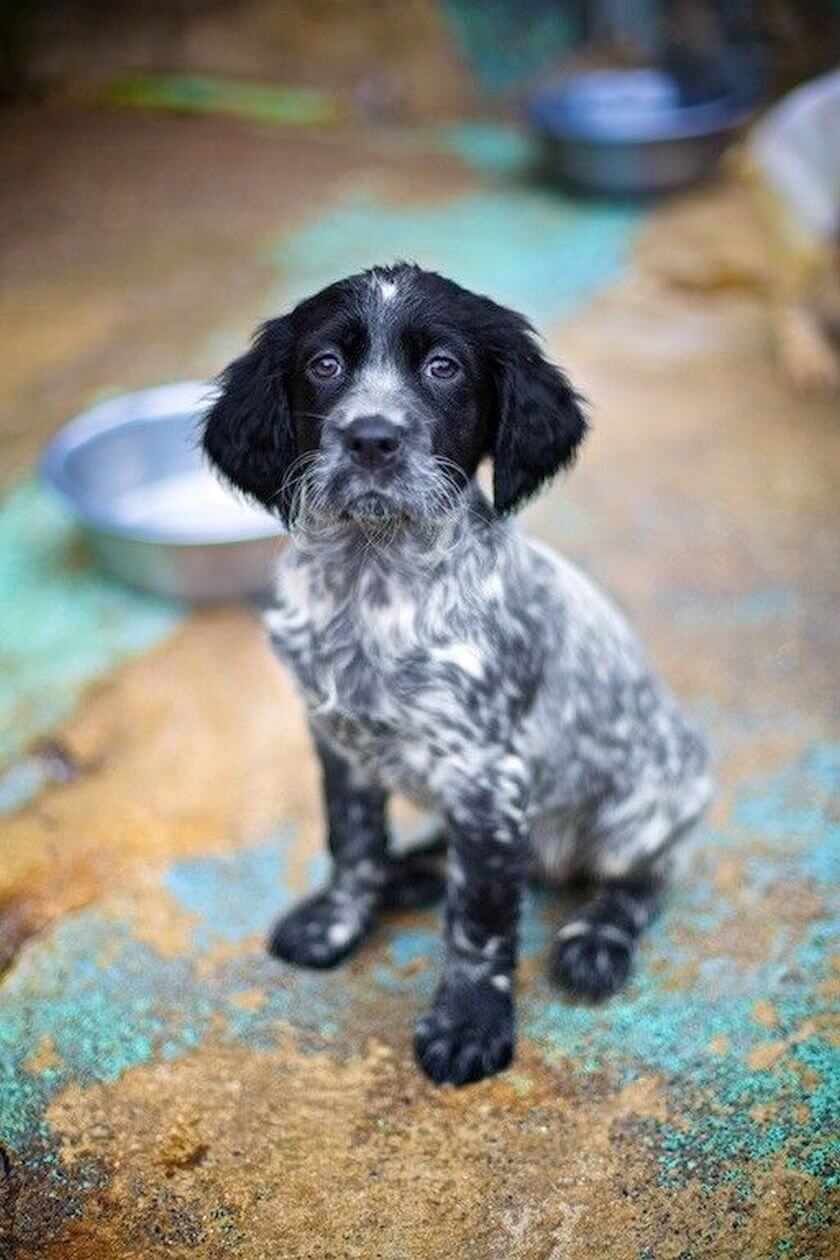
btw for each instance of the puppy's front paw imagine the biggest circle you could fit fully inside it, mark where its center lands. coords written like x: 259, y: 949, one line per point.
x: 467, y: 1034
x: 321, y: 931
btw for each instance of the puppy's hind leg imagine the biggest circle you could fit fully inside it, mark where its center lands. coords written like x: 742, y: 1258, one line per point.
x: 324, y: 929
x: 631, y: 858
x: 592, y: 954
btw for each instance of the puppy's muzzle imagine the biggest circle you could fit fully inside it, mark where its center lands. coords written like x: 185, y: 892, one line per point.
x: 372, y: 441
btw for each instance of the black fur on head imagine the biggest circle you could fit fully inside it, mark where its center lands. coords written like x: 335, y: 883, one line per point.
x: 541, y: 424
x: 539, y: 419
x: 387, y: 389
x: 248, y: 432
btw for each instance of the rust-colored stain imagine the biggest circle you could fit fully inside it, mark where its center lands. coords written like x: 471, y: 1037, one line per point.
x: 223, y: 1153
x: 174, y: 769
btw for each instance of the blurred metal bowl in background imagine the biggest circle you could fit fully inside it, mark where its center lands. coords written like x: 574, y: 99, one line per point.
x: 132, y: 473
x: 631, y: 131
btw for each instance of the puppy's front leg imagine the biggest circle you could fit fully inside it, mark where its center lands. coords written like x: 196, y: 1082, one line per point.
x: 468, y: 1032
x: 324, y: 929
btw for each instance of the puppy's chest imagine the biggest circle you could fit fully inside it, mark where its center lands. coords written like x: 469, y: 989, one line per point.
x: 382, y: 672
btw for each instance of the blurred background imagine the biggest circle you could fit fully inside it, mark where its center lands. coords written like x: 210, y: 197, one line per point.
x: 156, y: 159
x: 171, y: 174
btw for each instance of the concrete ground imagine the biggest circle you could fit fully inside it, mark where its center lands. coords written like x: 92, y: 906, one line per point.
x: 168, y: 1090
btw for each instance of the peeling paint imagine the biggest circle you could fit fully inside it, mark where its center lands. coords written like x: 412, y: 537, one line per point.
x: 108, y: 1002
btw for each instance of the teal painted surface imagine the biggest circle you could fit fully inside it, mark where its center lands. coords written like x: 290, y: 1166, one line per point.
x: 538, y: 252
x: 232, y: 896
x: 497, y: 150
x: 779, y: 806
x: 62, y: 623
x: 784, y: 825
x: 110, y: 1001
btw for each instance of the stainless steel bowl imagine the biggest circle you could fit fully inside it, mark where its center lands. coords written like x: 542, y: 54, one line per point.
x: 131, y: 472
x: 630, y: 131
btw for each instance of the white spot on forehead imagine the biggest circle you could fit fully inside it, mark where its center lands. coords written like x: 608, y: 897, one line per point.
x: 387, y: 289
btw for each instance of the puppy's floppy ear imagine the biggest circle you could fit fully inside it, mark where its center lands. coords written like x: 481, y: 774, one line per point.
x: 248, y: 432
x: 540, y: 419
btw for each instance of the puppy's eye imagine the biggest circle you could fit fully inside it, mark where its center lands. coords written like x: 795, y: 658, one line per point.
x: 326, y: 367
x: 441, y: 368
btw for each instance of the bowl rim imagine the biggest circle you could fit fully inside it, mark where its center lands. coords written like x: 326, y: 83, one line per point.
x: 549, y: 110
x: 122, y: 411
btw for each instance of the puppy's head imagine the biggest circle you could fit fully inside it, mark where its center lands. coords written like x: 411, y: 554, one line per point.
x: 379, y: 396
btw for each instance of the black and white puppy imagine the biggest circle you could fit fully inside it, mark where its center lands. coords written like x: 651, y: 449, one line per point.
x: 444, y: 656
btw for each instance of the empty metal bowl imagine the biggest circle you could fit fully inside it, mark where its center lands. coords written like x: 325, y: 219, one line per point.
x: 132, y: 473
x: 631, y: 131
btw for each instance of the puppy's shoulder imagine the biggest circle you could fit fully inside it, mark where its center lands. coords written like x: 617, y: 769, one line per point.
x: 584, y: 605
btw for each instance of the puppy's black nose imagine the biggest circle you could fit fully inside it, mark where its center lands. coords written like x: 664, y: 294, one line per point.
x: 372, y: 440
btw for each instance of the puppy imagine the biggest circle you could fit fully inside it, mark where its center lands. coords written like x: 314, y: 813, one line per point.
x: 444, y: 656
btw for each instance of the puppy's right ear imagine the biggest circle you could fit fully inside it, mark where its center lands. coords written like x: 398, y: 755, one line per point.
x: 248, y: 431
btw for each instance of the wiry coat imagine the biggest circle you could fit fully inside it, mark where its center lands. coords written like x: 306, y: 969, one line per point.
x: 447, y: 658
x: 485, y: 661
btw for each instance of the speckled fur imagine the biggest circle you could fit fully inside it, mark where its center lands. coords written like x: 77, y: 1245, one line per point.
x: 446, y: 657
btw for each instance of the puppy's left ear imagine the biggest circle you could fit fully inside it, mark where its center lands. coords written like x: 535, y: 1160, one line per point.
x: 248, y: 432
x: 540, y: 421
